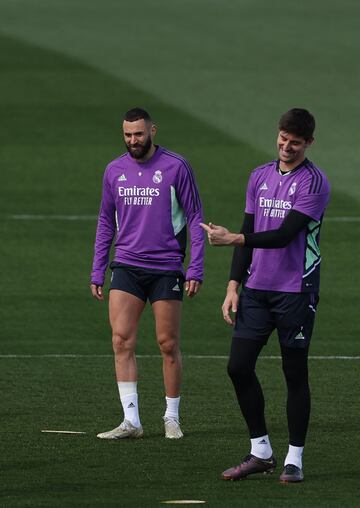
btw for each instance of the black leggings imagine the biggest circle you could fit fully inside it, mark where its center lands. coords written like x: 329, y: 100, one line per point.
x: 241, y: 369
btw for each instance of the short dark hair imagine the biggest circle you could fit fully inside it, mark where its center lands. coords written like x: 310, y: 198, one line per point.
x: 137, y: 114
x: 298, y: 121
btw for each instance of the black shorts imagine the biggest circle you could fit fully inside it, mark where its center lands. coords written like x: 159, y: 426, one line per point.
x: 147, y: 283
x: 291, y: 314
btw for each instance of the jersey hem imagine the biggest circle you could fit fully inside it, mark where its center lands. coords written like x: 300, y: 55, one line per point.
x: 159, y: 265
x: 282, y: 289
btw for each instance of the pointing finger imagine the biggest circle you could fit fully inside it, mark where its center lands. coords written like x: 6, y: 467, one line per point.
x: 205, y: 227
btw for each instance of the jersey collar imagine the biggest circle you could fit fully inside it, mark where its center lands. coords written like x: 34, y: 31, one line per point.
x: 278, y: 170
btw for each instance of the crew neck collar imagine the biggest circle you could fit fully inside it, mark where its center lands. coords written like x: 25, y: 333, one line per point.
x: 284, y: 173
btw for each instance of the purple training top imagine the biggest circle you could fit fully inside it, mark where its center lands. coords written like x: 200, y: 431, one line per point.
x: 270, y: 196
x: 146, y: 206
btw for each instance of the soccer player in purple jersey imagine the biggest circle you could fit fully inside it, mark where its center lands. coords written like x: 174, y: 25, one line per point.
x: 149, y: 199
x: 277, y: 262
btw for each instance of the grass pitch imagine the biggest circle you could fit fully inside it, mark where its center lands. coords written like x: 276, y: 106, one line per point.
x: 61, y: 125
x: 79, y: 470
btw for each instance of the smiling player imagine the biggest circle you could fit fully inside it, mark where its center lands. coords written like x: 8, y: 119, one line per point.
x: 277, y: 261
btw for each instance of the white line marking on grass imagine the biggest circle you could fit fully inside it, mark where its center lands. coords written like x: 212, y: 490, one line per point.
x: 62, y: 432
x: 342, y: 219
x: 312, y: 357
x: 79, y: 217
x: 189, y: 357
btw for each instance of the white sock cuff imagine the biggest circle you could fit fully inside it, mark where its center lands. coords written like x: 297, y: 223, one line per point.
x: 172, y: 407
x: 261, y: 447
x: 261, y: 440
x: 127, y: 388
x: 172, y: 400
x: 294, y: 456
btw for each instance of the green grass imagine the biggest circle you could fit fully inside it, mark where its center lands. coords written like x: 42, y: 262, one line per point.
x: 78, y: 394
x: 236, y: 64
x: 61, y: 125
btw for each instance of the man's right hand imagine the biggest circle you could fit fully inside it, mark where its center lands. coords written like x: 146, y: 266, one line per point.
x: 231, y: 302
x: 97, y: 291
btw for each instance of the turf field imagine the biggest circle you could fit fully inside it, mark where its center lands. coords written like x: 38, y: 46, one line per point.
x: 68, y: 72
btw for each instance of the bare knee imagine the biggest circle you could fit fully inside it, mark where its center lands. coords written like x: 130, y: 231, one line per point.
x: 169, y: 346
x: 122, y: 344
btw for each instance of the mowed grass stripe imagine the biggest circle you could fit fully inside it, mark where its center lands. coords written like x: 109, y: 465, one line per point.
x: 223, y: 91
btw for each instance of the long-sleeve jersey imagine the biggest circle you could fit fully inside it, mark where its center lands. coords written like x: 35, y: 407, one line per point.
x: 270, y: 197
x: 147, y: 207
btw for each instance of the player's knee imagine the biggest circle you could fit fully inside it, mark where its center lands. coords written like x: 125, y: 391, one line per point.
x: 169, y: 346
x: 121, y: 344
x: 232, y: 370
x: 295, y: 375
x: 238, y: 370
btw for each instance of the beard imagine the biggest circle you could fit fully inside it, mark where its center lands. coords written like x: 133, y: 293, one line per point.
x: 139, y: 151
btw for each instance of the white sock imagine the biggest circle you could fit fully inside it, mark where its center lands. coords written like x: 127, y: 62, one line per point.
x: 129, y: 401
x: 172, y: 407
x: 261, y: 447
x: 294, y: 456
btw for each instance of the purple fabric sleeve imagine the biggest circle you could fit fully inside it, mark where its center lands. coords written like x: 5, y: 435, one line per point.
x: 190, y: 201
x: 250, y: 196
x: 312, y: 199
x: 104, y: 234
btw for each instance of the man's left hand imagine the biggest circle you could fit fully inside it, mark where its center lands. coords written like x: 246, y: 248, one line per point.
x: 192, y: 287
